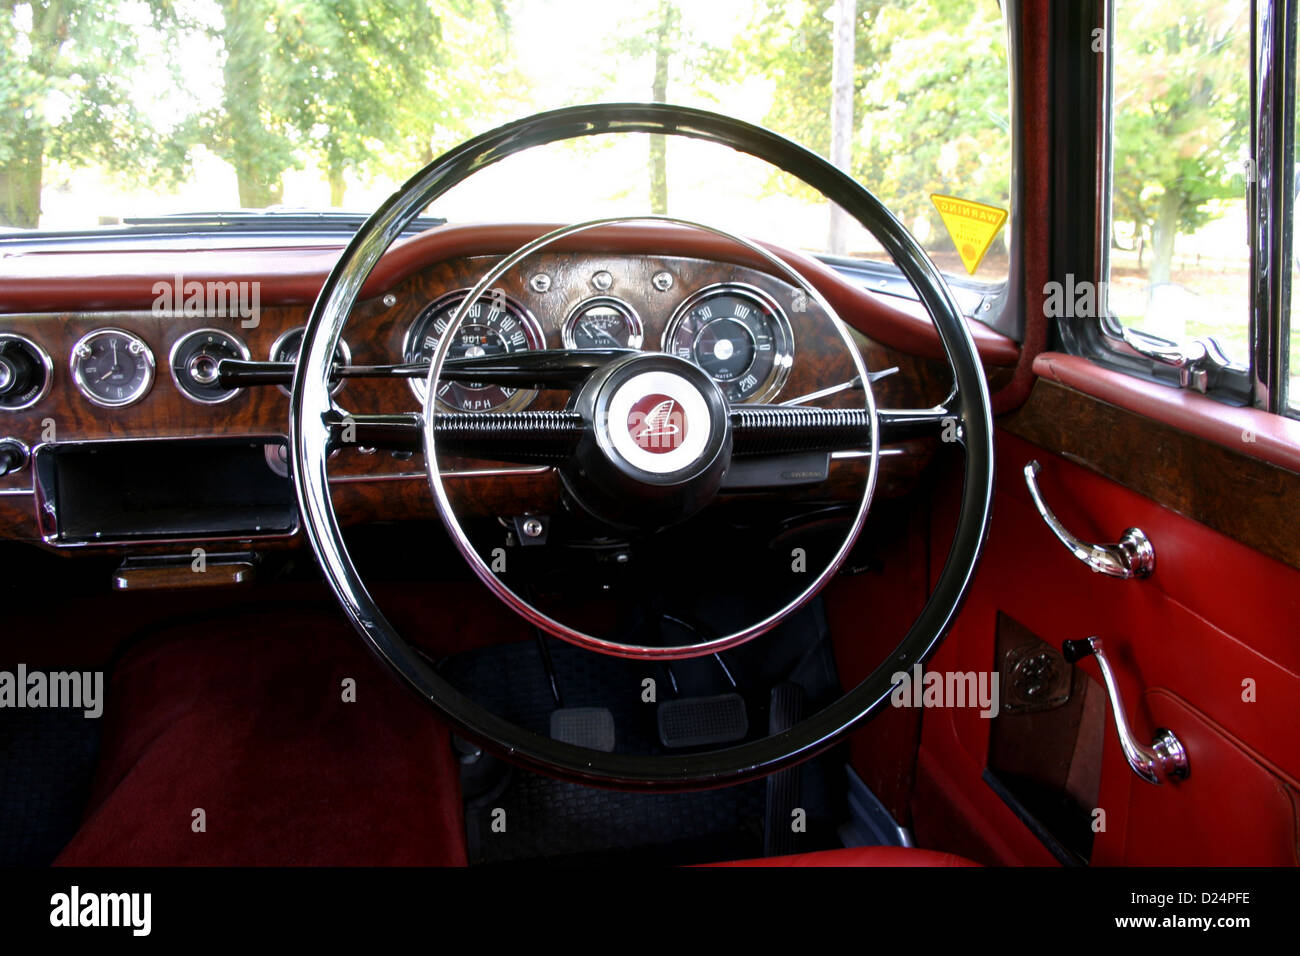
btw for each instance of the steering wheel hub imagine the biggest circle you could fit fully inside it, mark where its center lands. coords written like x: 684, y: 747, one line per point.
x: 657, y: 442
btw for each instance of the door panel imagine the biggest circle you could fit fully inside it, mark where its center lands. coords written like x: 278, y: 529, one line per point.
x: 1213, y: 615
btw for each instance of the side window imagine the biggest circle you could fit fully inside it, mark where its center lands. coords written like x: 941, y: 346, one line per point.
x: 1179, y: 255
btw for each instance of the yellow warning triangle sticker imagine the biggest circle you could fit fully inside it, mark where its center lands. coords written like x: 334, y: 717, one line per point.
x: 972, y: 225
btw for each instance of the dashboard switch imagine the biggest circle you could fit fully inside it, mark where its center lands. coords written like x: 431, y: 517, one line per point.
x: 13, y: 456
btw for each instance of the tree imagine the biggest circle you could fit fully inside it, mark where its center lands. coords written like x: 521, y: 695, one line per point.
x: 1181, y: 115
x: 931, y: 89
x: 842, y: 75
x: 665, y: 40
x: 342, y: 80
x: 66, y: 72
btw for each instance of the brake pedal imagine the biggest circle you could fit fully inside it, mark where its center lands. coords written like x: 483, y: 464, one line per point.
x: 699, y: 721
x: 590, y: 727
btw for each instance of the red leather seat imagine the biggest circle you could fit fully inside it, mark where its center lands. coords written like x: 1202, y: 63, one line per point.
x: 861, y: 856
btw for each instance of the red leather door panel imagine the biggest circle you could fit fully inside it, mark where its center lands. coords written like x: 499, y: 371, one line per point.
x: 1188, y: 644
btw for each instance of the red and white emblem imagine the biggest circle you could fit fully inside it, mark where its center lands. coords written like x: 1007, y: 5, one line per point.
x: 657, y: 423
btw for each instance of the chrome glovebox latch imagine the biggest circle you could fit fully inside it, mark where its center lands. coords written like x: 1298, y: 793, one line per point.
x: 1165, y: 759
x: 1133, y: 557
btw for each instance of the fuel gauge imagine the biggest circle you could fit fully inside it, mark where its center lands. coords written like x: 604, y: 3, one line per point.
x: 603, y: 322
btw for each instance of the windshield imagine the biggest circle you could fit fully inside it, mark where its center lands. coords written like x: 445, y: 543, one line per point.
x: 120, y: 110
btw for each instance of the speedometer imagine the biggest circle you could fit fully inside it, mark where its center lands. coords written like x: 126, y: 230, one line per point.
x: 739, y: 335
x: 494, y: 325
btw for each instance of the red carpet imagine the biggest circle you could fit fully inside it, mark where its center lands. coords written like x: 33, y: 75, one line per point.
x: 243, y: 718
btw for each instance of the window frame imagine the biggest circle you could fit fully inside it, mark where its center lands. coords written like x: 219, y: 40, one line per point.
x: 1082, y: 165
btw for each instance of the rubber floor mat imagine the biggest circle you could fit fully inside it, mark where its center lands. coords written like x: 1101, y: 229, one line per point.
x: 47, y: 759
x: 514, y: 815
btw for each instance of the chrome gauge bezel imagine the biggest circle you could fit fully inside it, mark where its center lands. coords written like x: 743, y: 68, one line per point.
x: 46, y: 363
x: 636, y: 331
x: 522, y: 398
x: 145, y: 354
x: 345, y: 353
x: 783, y: 350
x: 231, y: 338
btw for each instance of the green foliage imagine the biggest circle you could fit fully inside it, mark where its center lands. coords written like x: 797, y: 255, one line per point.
x: 931, y: 95
x: 358, y: 84
x: 67, y: 89
x: 1181, y: 115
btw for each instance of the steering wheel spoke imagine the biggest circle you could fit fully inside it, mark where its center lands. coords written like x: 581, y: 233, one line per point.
x: 538, y: 369
x: 528, y: 437
x: 790, y: 429
x: 902, y: 424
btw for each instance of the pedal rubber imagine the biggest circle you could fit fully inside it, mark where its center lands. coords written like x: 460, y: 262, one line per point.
x: 590, y: 727
x: 699, y: 721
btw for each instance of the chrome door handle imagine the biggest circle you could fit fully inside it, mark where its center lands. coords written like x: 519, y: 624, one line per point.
x: 1133, y: 557
x: 1165, y: 759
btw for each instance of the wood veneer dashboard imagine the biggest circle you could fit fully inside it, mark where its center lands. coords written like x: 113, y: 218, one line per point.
x: 54, y: 300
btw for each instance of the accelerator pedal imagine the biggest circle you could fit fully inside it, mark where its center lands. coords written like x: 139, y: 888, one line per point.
x: 700, y: 721
x: 785, y: 787
x: 590, y: 727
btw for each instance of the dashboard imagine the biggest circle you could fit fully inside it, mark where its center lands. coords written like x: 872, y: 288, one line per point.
x: 122, y: 393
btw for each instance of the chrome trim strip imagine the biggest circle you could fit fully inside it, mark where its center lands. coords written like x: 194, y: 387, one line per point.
x: 469, y: 473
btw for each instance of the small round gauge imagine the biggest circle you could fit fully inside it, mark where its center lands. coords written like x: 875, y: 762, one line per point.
x: 495, y: 325
x: 603, y: 323
x: 739, y: 335
x: 289, y: 344
x: 194, y: 359
x: 25, y: 372
x: 112, y: 367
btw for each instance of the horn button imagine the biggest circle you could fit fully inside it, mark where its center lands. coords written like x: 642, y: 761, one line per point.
x: 656, y: 445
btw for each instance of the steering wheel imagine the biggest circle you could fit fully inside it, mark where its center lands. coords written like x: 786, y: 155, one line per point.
x: 645, y: 440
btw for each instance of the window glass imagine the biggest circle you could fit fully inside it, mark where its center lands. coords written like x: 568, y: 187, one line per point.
x: 128, y: 108
x: 1178, y: 249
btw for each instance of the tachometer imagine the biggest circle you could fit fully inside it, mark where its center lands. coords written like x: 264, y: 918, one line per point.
x: 739, y: 335
x: 495, y: 325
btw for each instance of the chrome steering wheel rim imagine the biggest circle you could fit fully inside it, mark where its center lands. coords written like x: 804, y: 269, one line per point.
x: 310, y: 405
